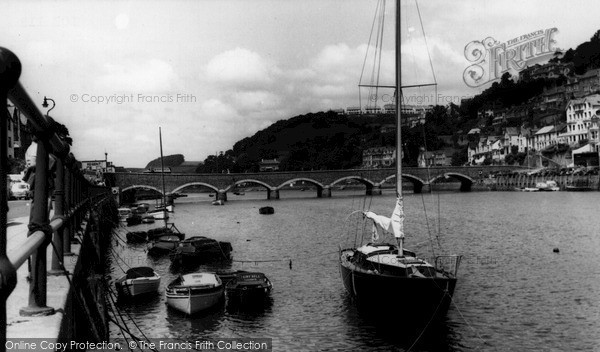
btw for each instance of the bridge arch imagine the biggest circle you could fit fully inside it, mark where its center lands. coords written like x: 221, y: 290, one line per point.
x: 364, y: 181
x: 417, y: 182
x: 465, y: 181
x: 195, y: 184
x: 249, y: 180
x: 141, y: 187
x: 294, y: 180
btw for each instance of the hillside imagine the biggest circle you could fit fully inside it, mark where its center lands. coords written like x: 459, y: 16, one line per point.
x: 327, y: 140
x: 315, y: 141
x: 169, y: 161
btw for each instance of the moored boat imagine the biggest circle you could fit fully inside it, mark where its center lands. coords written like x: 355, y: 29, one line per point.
x: 134, y: 219
x: 169, y: 229
x: 383, y: 276
x: 193, y: 293
x: 266, y: 210
x: 124, y: 213
x: 163, y: 245
x: 158, y: 214
x: 200, y: 249
x: 164, y: 239
x: 376, y: 273
x: 547, y: 186
x: 148, y: 219
x: 138, y: 281
x: 137, y: 237
x: 169, y: 208
x: 227, y: 275
x: 248, y: 287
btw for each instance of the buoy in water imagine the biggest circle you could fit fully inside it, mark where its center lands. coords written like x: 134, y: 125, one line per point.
x: 266, y: 210
x: 556, y: 250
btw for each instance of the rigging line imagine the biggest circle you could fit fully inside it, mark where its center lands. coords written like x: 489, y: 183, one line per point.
x: 412, y: 51
x: 426, y: 326
x: 362, y: 71
x: 285, y: 259
x: 380, y: 50
x: 430, y: 190
x: 112, y: 320
x: 427, y: 224
x: 373, y: 67
x: 114, y: 307
x: 123, y: 332
x: 467, y: 322
x: 117, y: 257
x: 129, y: 316
x: 422, y: 196
x: 377, y: 52
x: 425, y: 38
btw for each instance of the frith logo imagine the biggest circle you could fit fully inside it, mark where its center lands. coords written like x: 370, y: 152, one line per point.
x: 491, y: 59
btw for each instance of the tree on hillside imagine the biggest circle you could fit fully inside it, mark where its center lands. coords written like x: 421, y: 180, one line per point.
x: 221, y: 163
x: 169, y: 161
x: 587, y: 55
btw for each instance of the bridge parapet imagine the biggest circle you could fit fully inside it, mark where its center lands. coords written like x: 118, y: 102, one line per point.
x: 323, y: 180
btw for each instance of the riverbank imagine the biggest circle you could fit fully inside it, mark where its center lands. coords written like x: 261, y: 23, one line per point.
x: 565, y: 182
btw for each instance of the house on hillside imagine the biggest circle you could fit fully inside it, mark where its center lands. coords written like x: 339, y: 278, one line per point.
x: 511, y: 138
x: 579, y: 118
x: 378, y: 157
x: 491, y: 147
x: 547, y: 136
x: 266, y: 165
x: 353, y: 110
x: 442, y: 157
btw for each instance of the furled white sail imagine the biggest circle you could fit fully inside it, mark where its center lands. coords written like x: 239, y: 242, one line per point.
x: 393, y: 225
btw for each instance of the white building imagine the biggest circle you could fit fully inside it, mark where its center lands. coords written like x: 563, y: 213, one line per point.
x: 579, y: 118
x: 491, y: 147
x: 511, y: 138
x: 379, y: 157
x: 546, y: 136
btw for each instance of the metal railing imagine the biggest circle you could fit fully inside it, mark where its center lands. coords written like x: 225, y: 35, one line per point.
x: 73, y: 194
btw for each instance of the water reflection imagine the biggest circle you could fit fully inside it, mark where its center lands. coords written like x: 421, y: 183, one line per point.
x: 510, y: 292
x: 403, y: 332
x: 204, y: 324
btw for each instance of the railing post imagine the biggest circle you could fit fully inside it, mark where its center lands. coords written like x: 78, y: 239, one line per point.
x: 10, y: 70
x: 39, y: 222
x: 59, y: 212
x: 78, y: 202
x: 66, y: 232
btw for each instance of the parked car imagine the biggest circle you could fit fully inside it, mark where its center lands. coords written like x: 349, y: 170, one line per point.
x: 20, y: 190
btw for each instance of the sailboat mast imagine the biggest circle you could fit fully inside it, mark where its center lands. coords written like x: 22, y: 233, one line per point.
x: 398, y: 106
x: 162, y: 167
x: 398, y: 122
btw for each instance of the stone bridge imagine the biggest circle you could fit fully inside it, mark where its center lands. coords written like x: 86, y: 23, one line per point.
x: 373, y: 179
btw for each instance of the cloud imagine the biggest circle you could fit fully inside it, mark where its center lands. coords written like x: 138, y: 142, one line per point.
x: 241, y: 68
x: 150, y: 76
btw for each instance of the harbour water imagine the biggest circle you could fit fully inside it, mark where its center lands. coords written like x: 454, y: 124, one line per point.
x: 514, y: 292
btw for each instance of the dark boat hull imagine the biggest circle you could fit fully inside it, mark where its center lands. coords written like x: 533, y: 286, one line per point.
x: 212, y: 251
x: 266, y: 210
x: 421, y: 298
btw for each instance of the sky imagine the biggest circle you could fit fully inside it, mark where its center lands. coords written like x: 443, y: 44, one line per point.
x: 211, y: 72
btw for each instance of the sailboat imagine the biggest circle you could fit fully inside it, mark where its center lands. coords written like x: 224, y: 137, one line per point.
x: 386, y: 275
x: 165, y: 239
